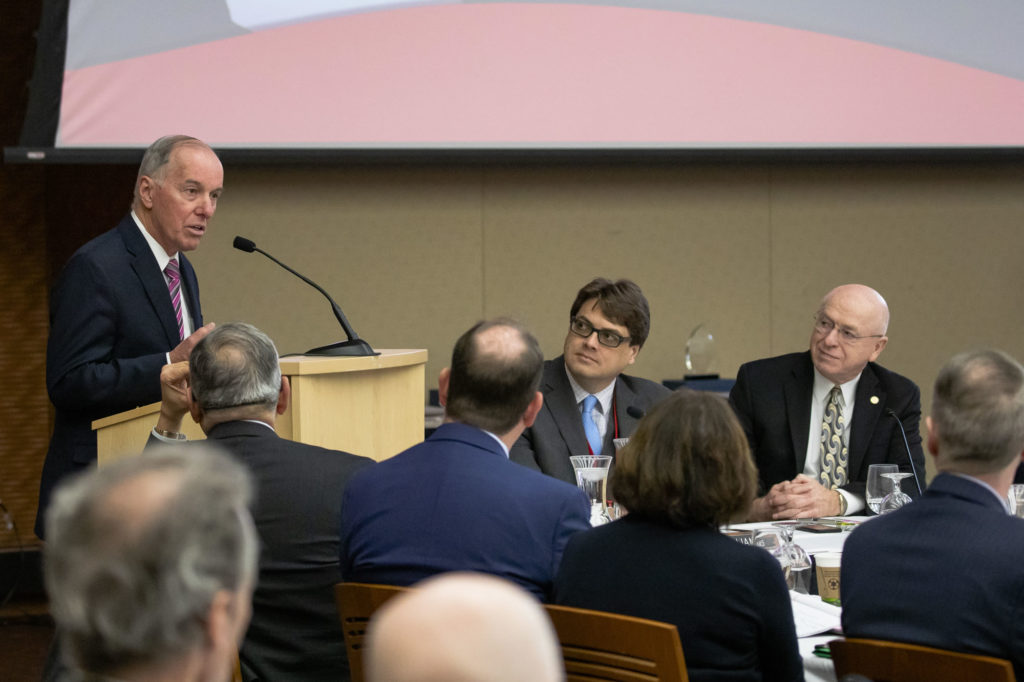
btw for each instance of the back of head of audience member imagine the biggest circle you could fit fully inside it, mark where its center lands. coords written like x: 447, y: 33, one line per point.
x: 463, y: 627
x: 688, y: 464
x: 150, y: 563
x: 494, y: 375
x: 235, y: 373
x: 977, y: 421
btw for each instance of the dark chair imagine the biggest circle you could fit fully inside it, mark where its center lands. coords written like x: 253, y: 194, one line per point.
x: 883, y: 661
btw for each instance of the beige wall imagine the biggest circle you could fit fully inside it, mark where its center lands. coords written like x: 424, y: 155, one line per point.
x: 416, y: 254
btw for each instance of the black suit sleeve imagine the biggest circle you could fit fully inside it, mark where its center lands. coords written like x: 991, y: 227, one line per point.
x: 522, y: 451
x: 86, y: 367
x: 742, y: 406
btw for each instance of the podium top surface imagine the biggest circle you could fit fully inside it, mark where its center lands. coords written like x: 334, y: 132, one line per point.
x: 304, y: 365
x: 301, y: 365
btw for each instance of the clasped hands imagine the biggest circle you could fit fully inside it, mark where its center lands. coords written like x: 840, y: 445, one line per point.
x: 801, y: 498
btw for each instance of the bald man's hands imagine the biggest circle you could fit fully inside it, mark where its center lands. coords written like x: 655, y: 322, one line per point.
x: 802, y: 498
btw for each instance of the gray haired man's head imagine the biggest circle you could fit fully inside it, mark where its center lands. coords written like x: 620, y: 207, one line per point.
x: 235, y: 365
x: 140, y: 551
x: 977, y: 419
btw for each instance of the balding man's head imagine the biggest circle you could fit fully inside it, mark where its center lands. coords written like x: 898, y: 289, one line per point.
x: 494, y: 375
x: 463, y: 627
x: 977, y: 422
x: 849, y: 331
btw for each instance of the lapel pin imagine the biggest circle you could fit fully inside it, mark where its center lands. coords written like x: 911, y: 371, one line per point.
x: 874, y: 400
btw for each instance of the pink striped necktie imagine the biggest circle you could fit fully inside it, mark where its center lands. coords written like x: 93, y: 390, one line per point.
x: 174, y: 286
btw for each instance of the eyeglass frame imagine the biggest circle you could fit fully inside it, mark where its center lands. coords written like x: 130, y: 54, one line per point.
x: 823, y: 324
x: 609, y: 332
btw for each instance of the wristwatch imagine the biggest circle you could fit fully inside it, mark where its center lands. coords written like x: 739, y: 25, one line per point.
x: 172, y: 435
x: 842, y: 503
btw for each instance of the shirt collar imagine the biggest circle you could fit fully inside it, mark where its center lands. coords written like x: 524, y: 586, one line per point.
x: 162, y: 257
x: 823, y: 385
x: 504, y: 448
x: 604, y: 396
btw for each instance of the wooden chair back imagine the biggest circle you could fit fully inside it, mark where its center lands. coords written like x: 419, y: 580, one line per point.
x: 356, y: 603
x: 608, y: 646
x: 883, y: 661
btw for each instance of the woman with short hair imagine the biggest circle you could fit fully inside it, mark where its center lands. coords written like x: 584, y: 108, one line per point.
x: 686, y: 471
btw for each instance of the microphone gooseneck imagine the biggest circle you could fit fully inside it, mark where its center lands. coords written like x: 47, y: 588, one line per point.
x: 354, y: 345
x: 906, y: 444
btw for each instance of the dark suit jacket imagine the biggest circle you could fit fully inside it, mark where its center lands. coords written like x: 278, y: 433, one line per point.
x: 295, y: 633
x: 729, y: 601
x: 111, y: 325
x: 772, y: 399
x: 455, y: 503
x: 944, y: 571
x: 557, y: 432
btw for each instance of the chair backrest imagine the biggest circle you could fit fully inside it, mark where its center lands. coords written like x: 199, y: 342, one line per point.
x: 883, y: 661
x: 356, y: 603
x: 607, y: 646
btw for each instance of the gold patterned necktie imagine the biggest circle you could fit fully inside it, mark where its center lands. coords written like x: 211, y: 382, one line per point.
x: 834, y: 454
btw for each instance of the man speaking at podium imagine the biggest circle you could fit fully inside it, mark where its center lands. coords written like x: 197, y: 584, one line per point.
x: 127, y: 303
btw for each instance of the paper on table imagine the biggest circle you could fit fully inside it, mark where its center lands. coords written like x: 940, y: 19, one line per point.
x: 813, y: 616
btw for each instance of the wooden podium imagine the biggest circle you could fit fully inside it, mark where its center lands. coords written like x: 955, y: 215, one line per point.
x: 370, y: 406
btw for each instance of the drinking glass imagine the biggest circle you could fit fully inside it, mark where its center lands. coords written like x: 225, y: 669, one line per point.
x: 878, y: 487
x: 1017, y: 497
x: 799, y: 577
x: 774, y: 541
x: 897, y: 498
x: 592, y: 478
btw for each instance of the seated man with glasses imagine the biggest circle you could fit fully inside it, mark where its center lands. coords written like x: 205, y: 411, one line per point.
x: 816, y: 420
x: 588, y: 402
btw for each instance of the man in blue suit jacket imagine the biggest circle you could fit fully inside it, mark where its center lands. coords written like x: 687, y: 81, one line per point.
x: 112, y: 321
x: 456, y: 502
x: 945, y: 571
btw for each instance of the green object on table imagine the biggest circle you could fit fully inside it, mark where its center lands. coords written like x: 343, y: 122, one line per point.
x: 822, y: 651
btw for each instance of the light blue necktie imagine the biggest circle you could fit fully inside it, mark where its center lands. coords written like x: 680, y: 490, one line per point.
x: 589, y: 427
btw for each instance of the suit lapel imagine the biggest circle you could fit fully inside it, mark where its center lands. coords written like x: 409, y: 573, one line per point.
x: 151, y: 280
x: 866, y: 413
x: 797, y: 392
x: 561, y: 402
x: 624, y: 397
x: 190, y: 286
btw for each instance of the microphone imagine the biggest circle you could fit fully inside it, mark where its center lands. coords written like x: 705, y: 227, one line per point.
x: 635, y: 412
x: 354, y: 346
x: 906, y: 444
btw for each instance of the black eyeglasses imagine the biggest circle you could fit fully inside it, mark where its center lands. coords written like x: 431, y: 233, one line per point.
x: 606, y: 337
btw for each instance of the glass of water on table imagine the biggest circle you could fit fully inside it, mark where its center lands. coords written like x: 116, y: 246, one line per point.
x: 878, y: 486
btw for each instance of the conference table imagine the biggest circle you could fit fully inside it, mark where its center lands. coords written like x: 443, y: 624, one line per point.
x: 809, y: 612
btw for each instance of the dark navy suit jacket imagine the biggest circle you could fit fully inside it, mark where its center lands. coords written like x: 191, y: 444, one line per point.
x: 946, y: 571
x: 111, y: 325
x: 772, y: 398
x: 455, y: 503
x: 729, y: 601
x: 557, y: 432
